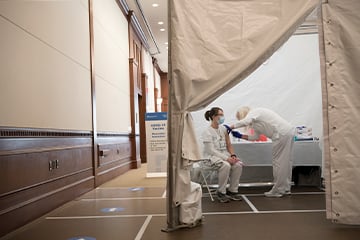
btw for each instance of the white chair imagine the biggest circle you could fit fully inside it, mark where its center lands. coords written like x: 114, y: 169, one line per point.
x: 207, y: 169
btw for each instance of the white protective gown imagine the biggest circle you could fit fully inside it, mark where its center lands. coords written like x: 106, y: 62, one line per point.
x: 269, y: 123
x: 215, y: 150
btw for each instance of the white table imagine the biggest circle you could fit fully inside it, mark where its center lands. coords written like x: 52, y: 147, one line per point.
x: 306, y: 153
x: 257, y: 157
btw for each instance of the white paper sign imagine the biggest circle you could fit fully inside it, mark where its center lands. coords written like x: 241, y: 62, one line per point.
x: 156, y: 144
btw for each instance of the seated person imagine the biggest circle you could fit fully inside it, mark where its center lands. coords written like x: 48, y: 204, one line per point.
x: 218, y: 148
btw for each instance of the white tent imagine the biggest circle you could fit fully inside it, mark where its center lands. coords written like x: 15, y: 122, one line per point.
x: 341, y: 108
x: 214, y: 44
x: 289, y: 83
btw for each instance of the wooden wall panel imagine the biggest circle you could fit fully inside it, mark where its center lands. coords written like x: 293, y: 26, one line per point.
x: 29, y: 188
x: 11, y: 220
x: 114, y: 151
x: 142, y: 113
x: 22, y: 171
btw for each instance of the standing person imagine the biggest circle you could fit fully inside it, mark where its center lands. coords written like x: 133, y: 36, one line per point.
x: 269, y: 123
x: 218, y: 148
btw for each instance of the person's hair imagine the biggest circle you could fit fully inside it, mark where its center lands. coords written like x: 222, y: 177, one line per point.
x: 242, y: 112
x: 211, y: 113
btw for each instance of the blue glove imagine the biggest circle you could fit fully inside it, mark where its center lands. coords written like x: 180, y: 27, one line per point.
x: 229, y: 130
x: 236, y: 134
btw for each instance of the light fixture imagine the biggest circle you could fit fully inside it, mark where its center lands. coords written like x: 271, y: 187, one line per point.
x: 155, y: 5
x: 162, y: 29
x: 160, y: 23
x: 166, y: 43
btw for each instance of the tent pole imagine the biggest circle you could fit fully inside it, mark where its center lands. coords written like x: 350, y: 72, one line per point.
x: 172, y: 211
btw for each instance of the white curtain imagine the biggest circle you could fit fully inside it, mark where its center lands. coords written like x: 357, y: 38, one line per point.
x: 341, y: 100
x: 214, y: 44
x: 287, y: 83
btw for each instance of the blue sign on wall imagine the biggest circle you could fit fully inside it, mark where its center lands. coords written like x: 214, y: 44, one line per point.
x: 155, y: 116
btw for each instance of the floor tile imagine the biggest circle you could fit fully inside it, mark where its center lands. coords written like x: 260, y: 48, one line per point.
x: 134, y: 192
x: 293, y: 202
x: 123, y: 207
x: 100, y: 229
x: 216, y: 206
x: 278, y: 226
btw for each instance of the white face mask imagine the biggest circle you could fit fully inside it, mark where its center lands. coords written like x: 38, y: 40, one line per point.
x: 221, y: 120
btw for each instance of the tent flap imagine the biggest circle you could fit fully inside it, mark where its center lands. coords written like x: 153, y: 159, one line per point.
x: 214, y: 44
x: 341, y: 34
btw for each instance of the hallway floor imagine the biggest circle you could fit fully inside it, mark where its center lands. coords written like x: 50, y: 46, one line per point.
x: 120, y: 210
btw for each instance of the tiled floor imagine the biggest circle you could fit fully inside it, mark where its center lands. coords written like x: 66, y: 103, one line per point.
x: 110, y: 213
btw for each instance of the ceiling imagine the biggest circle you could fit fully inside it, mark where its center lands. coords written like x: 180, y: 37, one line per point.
x: 152, y: 12
x: 150, y: 15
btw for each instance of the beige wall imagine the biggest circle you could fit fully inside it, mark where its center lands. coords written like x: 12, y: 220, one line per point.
x: 158, y: 86
x: 45, y: 65
x: 111, y: 67
x: 148, y: 69
x: 44, y: 61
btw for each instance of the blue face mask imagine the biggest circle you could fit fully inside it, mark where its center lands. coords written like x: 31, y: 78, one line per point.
x: 221, y: 120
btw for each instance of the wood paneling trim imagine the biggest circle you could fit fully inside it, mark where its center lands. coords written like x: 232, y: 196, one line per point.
x: 35, y: 209
x: 114, y: 161
x: 32, y: 200
x: 117, y: 159
x: 40, y: 149
x: 39, y: 190
x: 112, y: 134
x: 113, y: 172
x: 34, y: 144
x: 25, y: 195
x: 114, y: 168
x: 35, y: 167
x: 40, y: 132
x: 109, y: 153
x: 44, y: 182
x: 93, y: 89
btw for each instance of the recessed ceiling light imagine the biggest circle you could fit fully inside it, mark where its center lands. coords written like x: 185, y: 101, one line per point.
x: 155, y: 5
x: 160, y: 23
x: 166, y: 43
x: 162, y: 29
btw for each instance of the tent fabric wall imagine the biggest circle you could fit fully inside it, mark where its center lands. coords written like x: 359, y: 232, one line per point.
x: 214, y: 44
x: 341, y: 23
x: 287, y: 83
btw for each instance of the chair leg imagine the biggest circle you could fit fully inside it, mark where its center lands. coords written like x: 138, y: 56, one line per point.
x: 207, y: 186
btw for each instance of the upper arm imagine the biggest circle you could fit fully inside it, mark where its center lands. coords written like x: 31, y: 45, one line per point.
x: 227, y: 140
x: 229, y: 146
x: 244, y: 122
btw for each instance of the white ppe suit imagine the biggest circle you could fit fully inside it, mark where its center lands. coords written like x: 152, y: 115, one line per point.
x: 215, y: 149
x: 269, y: 123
